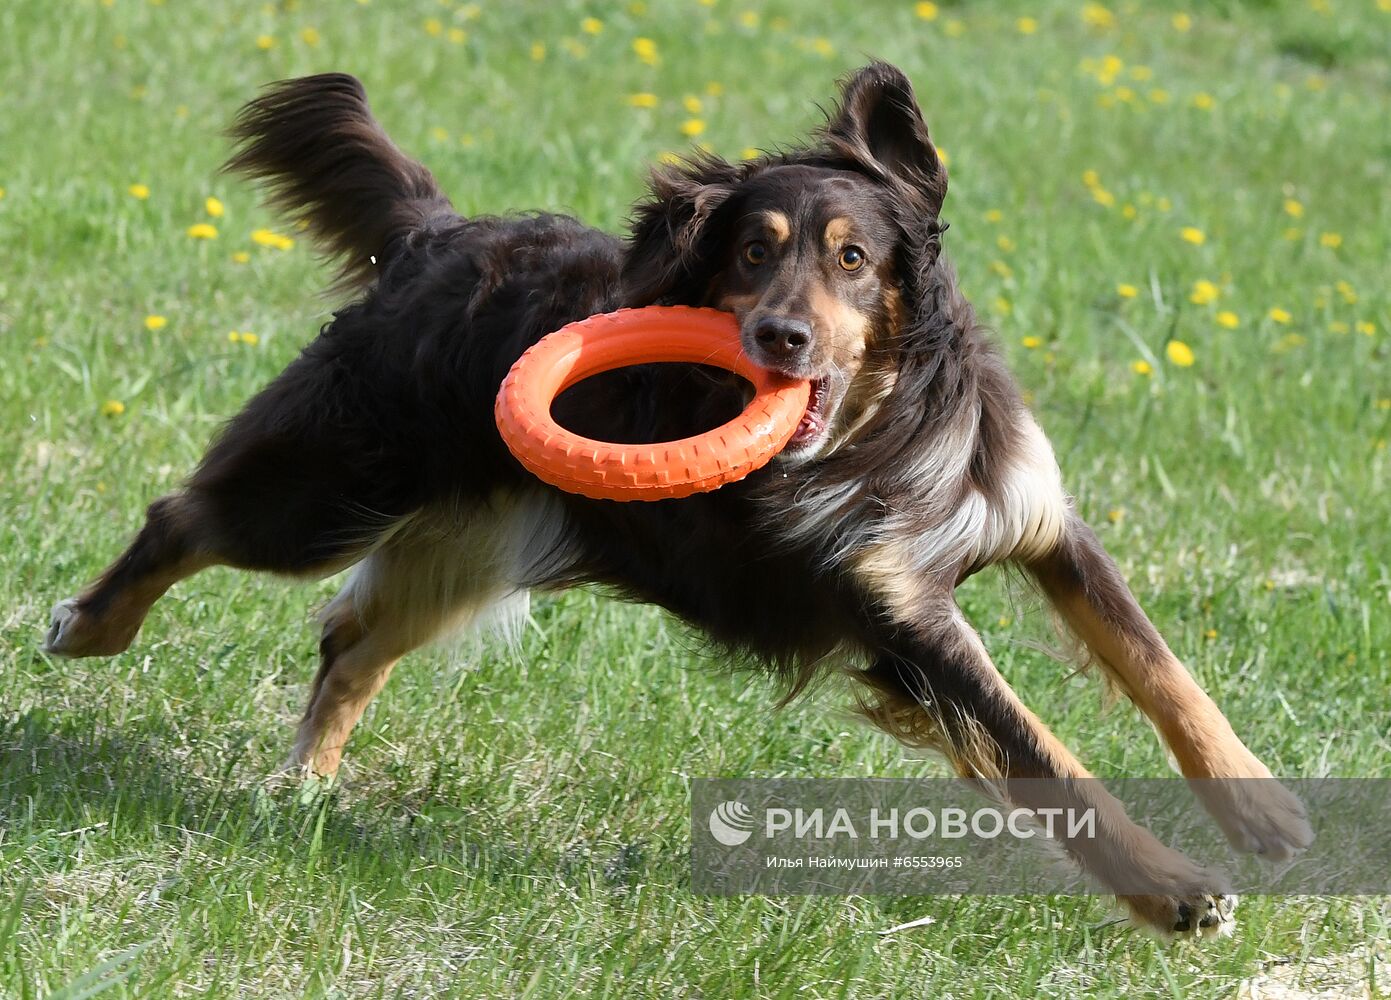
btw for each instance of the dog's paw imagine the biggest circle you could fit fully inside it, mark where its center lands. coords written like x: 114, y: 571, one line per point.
x: 1188, y: 914
x: 1257, y: 813
x: 74, y: 633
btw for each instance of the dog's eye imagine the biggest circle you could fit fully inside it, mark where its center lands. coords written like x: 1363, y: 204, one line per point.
x: 852, y: 258
x: 755, y: 253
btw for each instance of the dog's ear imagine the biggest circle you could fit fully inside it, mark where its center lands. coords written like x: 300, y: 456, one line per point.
x: 672, y: 240
x: 880, y: 126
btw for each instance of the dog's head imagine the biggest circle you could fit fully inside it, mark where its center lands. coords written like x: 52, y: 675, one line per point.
x: 816, y: 251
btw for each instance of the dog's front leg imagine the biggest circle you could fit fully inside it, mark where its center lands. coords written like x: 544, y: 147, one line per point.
x: 1255, y: 811
x: 934, y: 685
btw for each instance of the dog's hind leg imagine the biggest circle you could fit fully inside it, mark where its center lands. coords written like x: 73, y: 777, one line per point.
x: 104, y: 618
x: 1255, y: 811
x: 441, y: 573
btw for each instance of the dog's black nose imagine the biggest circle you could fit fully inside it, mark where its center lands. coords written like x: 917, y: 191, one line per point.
x: 784, y: 338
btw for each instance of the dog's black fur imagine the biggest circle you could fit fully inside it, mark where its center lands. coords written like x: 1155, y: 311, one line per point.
x: 916, y: 465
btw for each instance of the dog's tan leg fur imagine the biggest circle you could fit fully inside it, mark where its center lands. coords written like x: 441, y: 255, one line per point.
x: 938, y: 687
x: 1255, y: 812
x: 439, y: 574
x: 105, y: 617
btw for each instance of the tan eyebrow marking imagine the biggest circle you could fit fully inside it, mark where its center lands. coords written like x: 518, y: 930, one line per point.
x: 838, y: 231
x: 779, y: 225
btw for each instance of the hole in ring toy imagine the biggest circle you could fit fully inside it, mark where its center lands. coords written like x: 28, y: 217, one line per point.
x: 658, y: 471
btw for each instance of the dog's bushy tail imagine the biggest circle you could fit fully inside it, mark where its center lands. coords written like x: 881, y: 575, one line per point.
x: 324, y: 159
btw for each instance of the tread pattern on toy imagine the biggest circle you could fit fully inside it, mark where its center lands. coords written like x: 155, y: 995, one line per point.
x: 659, y: 471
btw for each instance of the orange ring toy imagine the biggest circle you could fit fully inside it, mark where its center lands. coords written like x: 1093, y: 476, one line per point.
x: 659, y: 471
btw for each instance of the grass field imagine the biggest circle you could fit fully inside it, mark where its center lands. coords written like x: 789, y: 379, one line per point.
x: 1177, y: 220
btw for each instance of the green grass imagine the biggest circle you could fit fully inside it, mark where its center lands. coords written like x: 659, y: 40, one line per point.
x: 516, y: 821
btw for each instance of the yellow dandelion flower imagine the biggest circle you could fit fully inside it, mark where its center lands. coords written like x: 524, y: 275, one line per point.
x: 692, y: 104
x: 1181, y: 22
x: 1002, y: 305
x: 203, y: 231
x: 954, y: 28
x: 1125, y: 95
x: 669, y: 158
x: 241, y: 257
x: 1292, y: 233
x: 943, y: 156
x: 1097, y: 16
x: 646, y: 50
x: 1163, y: 204
x: 1338, y: 326
x: 1141, y: 73
x: 311, y: 36
x: 1141, y: 367
x: 1117, y: 514
x: 1103, y: 197
x: 1278, y: 315
x: 1129, y: 211
x: 1210, y: 634
x: 1127, y: 291
x: 213, y: 207
x: 1159, y: 96
x: 1204, y: 101
x: 1091, y: 178
x: 643, y: 100
x: 925, y: 10
x: 714, y: 89
x: 112, y: 408
x: 1032, y: 343
x: 1367, y: 327
x: 250, y: 339
x: 1331, y: 240
x: 749, y: 18
x: 155, y: 322
x: 1179, y: 353
x: 1194, y: 235
x: 692, y: 127
x: 268, y: 238
x: 1348, y: 293
x: 1026, y: 25
x: 994, y: 215
x: 434, y: 27
x: 140, y: 191
x: 1293, y: 208
x: 591, y: 26
x: 748, y: 153
x: 823, y: 47
x: 1204, y: 291
x: 1004, y: 243
x: 457, y: 36
x: 1002, y: 269
x: 538, y: 51
x: 1228, y: 319
x: 1384, y: 404
x: 265, y: 42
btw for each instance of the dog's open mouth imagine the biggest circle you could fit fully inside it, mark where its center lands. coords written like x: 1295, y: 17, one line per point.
x: 813, y: 423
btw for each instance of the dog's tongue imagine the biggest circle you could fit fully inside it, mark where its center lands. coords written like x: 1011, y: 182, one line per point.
x: 810, y: 424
